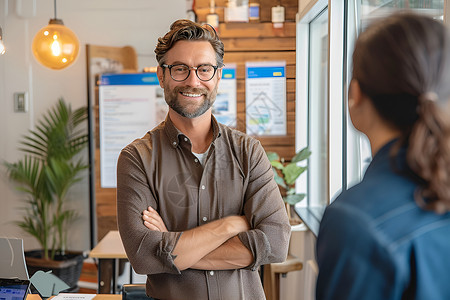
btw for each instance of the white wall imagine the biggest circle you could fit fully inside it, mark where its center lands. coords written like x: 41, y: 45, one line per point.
x: 137, y: 23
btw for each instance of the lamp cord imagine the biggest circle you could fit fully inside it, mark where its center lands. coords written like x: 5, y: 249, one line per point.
x: 55, y: 8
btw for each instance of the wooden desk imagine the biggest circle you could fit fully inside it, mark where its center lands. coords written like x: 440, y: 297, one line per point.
x: 97, y: 297
x: 107, y: 297
x: 108, y: 252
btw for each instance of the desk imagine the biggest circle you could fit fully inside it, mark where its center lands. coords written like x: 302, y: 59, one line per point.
x: 97, y: 297
x: 107, y: 297
x: 108, y: 252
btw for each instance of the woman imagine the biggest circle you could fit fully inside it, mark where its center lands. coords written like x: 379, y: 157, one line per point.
x: 389, y: 236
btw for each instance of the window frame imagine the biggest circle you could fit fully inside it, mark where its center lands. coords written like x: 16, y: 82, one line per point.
x: 336, y: 121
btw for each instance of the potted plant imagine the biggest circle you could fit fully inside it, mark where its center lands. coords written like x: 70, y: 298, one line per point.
x: 49, y: 168
x: 286, y: 173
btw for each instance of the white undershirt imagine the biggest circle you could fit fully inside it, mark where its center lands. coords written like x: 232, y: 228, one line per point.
x: 202, y: 156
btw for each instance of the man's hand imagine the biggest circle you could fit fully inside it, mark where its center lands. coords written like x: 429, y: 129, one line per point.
x: 152, y: 220
x: 197, y: 242
x: 230, y: 255
x: 217, y: 238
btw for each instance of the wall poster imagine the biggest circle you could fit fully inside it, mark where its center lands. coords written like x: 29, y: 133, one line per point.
x: 265, y: 97
x: 130, y: 105
x: 224, y: 108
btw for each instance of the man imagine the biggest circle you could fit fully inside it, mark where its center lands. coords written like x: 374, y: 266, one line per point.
x: 198, y: 208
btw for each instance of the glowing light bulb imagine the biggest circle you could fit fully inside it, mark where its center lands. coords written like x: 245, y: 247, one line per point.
x: 56, y: 48
x: 54, y: 41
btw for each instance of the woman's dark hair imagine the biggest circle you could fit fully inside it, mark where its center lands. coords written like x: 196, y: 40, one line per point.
x: 402, y: 64
x: 190, y: 31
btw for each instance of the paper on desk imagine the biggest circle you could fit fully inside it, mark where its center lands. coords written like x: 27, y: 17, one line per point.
x: 68, y: 296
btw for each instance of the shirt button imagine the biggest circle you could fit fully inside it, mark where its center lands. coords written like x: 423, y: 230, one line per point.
x: 174, y: 143
x: 205, y: 219
x: 203, y: 187
x: 196, y: 160
x: 211, y: 273
x: 185, y: 139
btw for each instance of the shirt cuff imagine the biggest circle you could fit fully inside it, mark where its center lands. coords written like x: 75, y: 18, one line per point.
x: 258, y: 245
x: 165, y: 249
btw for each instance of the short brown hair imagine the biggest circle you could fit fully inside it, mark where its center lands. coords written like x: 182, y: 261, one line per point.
x: 190, y: 31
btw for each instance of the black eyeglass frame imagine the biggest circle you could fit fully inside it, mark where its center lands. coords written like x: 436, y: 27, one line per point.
x: 189, y: 71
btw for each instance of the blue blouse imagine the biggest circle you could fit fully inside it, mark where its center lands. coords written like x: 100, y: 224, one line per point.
x: 376, y: 243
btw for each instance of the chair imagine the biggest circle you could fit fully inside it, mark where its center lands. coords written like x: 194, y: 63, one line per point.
x: 272, y: 273
x: 134, y: 292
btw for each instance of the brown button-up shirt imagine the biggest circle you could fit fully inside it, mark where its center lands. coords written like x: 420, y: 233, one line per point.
x: 159, y: 170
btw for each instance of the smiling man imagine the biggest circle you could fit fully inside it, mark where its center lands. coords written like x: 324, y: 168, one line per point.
x: 198, y: 208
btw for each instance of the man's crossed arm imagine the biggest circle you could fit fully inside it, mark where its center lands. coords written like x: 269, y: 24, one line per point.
x: 213, y: 246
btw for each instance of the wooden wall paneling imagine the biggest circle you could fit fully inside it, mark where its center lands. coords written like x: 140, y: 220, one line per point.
x: 246, y: 56
x: 201, y: 14
x: 265, y: 12
x: 290, y: 9
x: 255, y: 30
x: 205, y: 3
x: 202, y: 9
x: 259, y: 44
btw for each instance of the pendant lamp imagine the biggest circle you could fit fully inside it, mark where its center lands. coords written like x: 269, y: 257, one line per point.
x: 55, y: 46
x: 2, y: 46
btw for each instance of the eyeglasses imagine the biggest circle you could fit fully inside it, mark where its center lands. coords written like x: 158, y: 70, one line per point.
x: 181, y: 72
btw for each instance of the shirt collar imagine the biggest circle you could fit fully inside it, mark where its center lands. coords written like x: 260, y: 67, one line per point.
x: 384, y: 151
x: 384, y: 156
x: 174, y: 134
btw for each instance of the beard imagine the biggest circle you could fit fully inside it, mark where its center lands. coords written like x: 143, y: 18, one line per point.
x: 189, y: 110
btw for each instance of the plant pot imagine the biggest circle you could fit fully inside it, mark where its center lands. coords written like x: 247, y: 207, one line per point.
x: 292, y: 215
x: 66, y: 267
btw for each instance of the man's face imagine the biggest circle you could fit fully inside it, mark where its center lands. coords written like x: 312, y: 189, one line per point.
x: 192, y: 97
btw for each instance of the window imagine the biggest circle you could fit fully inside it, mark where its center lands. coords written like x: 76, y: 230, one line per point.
x: 318, y: 132
x: 312, y: 107
x: 326, y: 34
x: 370, y: 9
x: 322, y: 119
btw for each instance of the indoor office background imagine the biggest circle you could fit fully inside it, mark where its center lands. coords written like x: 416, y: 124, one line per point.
x: 325, y: 33
x: 112, y: 23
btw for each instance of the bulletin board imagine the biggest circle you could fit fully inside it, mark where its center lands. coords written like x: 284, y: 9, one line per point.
x: 101, y: 60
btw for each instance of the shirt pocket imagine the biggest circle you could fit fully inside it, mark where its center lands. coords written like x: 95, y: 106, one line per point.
x: 230, y: 196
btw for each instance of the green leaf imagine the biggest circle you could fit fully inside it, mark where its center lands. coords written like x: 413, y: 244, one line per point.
x: 293, y: 199
x: 273, y: 156
x: 291, y: 172
x: 277, y: 165
x: 278, y: 179
x: 301, y: 155
x: 48, y: 170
